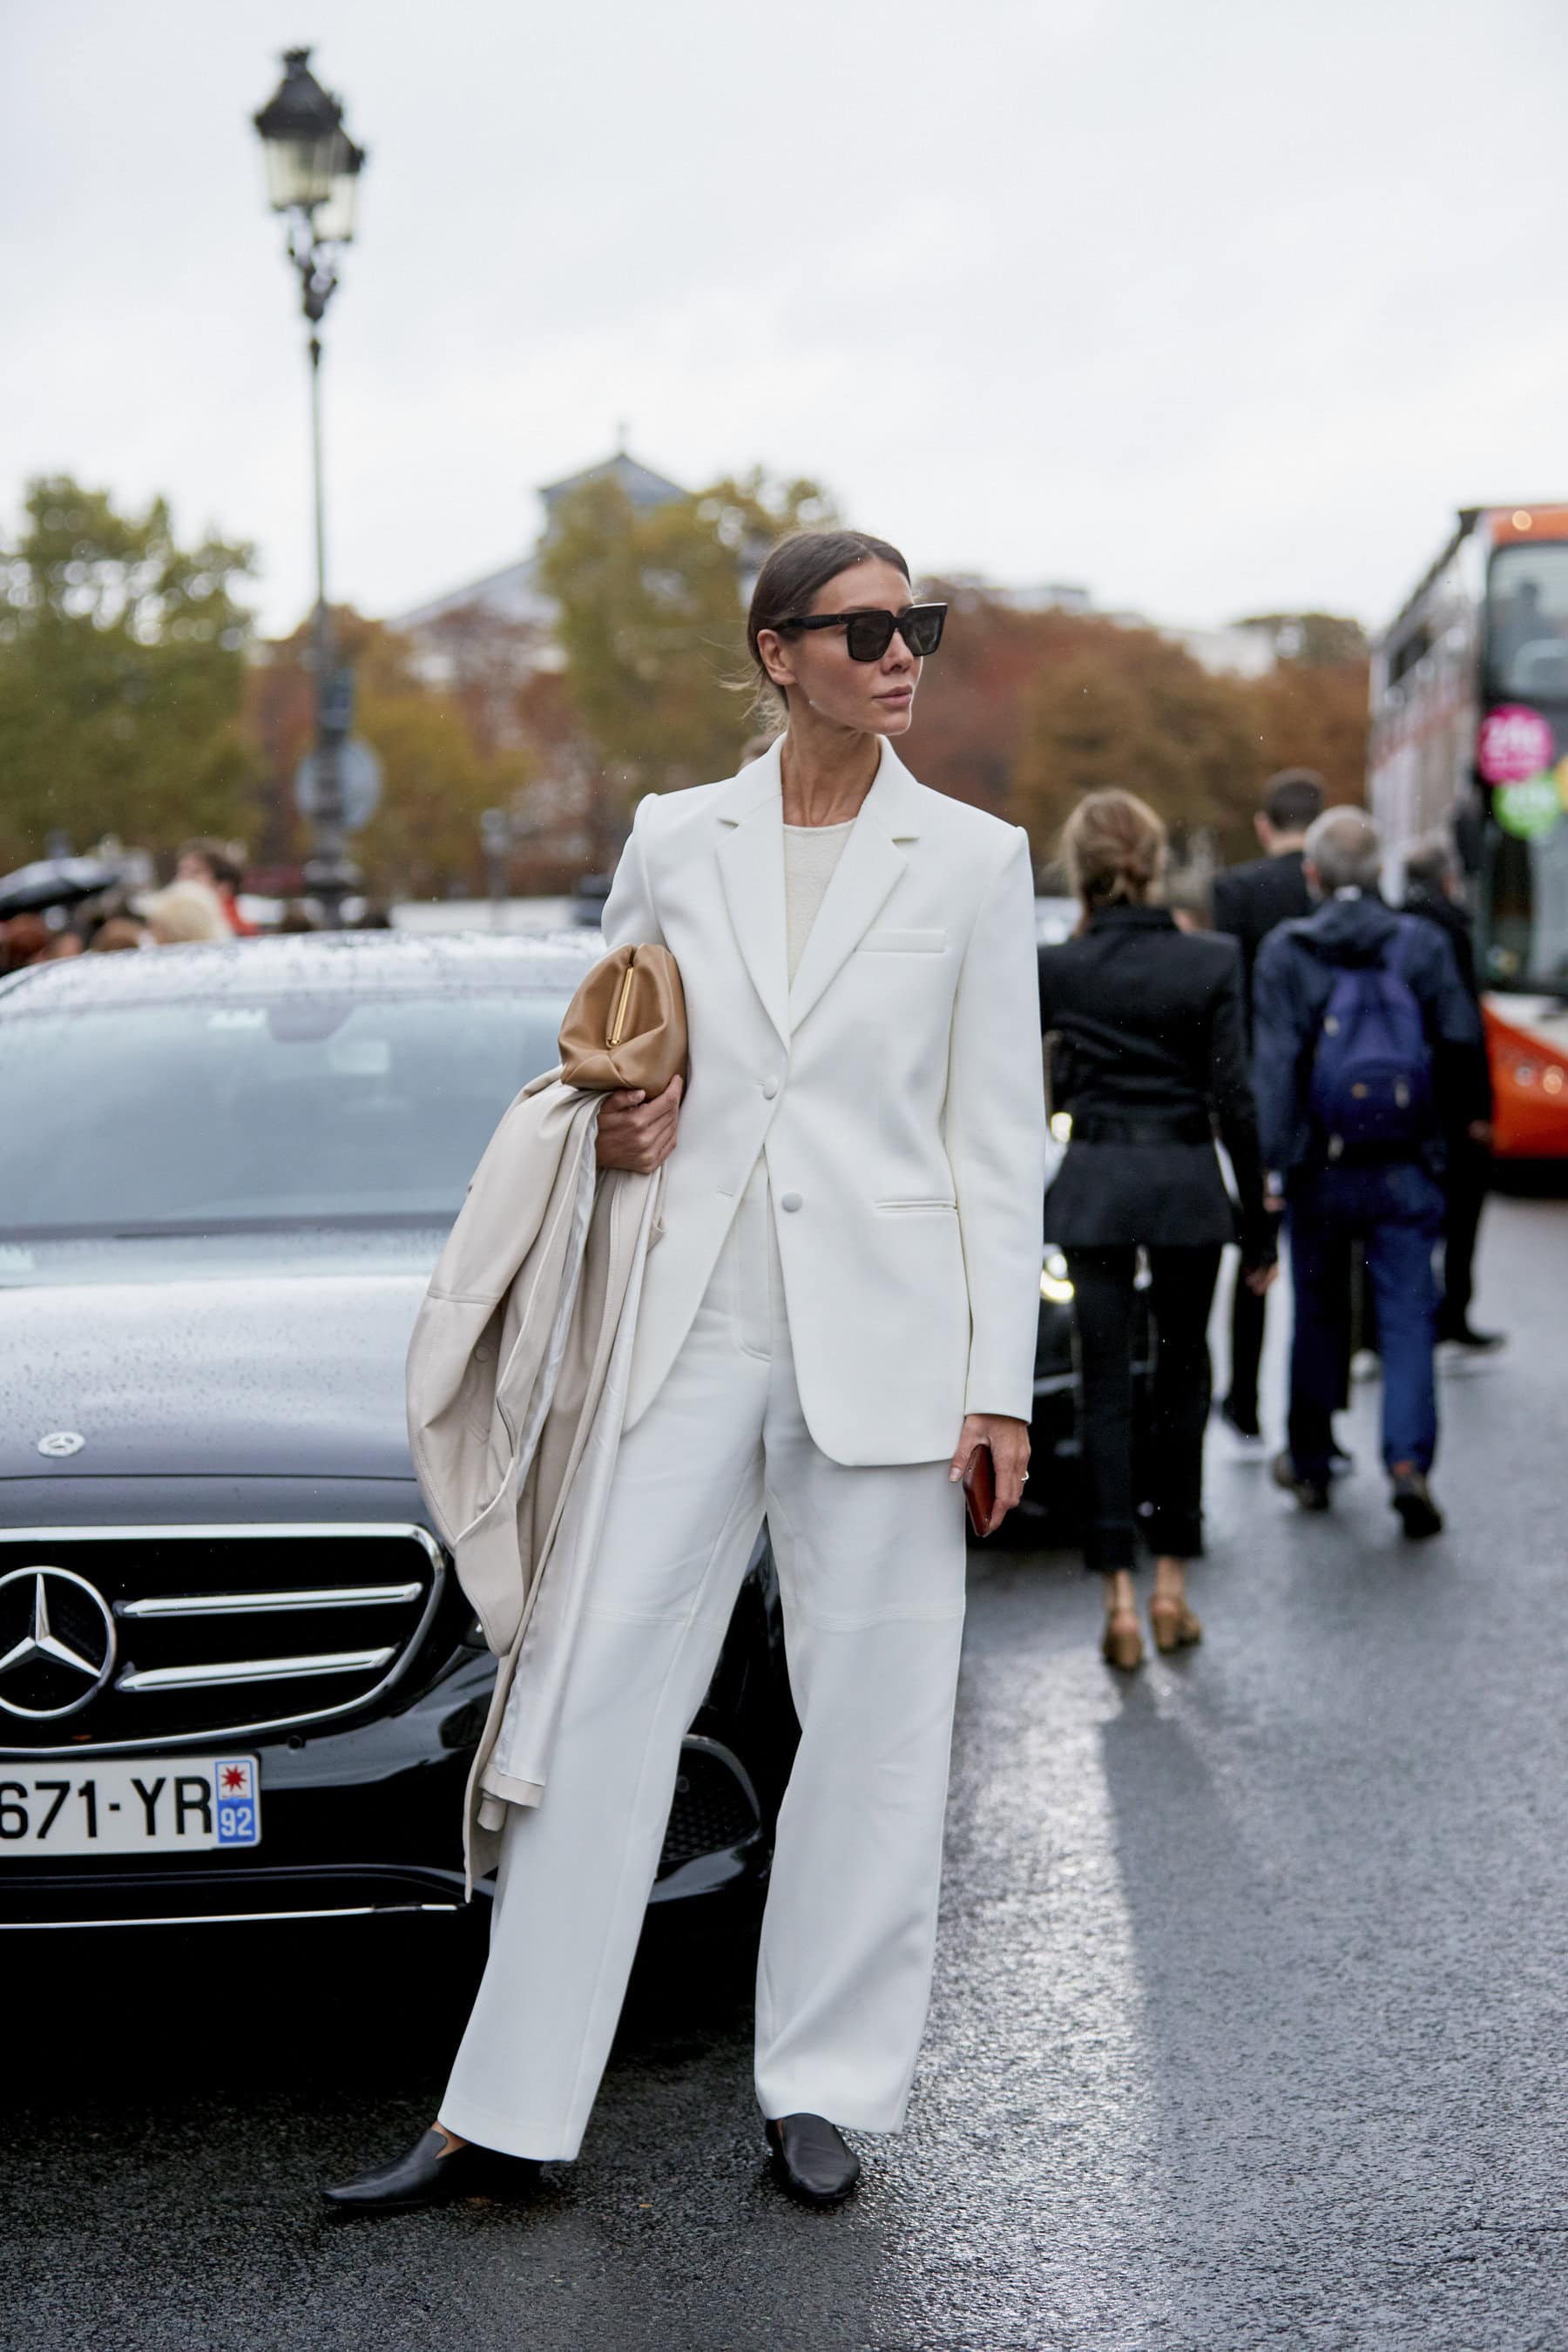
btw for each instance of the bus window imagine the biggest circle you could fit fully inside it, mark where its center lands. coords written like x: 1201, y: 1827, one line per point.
x: 1404, y: 656
x: 1527, y: 618
x: 1524, y: 911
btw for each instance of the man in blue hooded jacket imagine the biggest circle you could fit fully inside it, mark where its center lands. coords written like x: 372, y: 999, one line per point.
x: 1387, y: 1194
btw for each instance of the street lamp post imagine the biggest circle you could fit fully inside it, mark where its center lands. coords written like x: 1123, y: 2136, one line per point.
x: 312, y: 178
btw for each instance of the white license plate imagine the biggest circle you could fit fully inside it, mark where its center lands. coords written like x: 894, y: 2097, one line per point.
x: 148, y: 1804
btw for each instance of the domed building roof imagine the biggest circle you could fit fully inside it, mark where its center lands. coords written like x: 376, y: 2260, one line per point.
x: 514, y: 594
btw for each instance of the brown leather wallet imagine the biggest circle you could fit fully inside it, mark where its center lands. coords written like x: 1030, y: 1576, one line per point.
x: 625, y: 1027
x: 980, y: 1489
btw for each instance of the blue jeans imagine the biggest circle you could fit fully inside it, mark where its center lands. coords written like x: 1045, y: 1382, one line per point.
x: 1395, y: 1210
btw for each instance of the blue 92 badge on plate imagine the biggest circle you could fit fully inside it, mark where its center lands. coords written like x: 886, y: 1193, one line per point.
x: 237, y: 1802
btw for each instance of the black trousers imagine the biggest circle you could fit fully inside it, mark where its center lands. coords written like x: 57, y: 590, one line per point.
x: 1464, y: 1187
x: 1104, y: 1308
x: 1248, y: 1317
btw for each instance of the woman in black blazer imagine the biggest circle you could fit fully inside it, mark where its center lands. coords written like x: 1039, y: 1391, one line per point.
x: 1147, y: 1059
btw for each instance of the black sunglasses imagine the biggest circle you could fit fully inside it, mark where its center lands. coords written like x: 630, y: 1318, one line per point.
x: 868, y: 635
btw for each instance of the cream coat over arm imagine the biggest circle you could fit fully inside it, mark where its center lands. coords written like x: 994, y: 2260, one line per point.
x: 894, y: 1089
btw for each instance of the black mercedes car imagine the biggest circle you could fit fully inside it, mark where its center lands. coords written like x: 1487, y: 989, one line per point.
x: 238, y: 1677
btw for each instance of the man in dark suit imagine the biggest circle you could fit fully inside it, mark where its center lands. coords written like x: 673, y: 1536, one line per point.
x: 1248, y: 902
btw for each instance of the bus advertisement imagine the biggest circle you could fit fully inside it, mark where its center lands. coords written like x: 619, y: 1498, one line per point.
x: 1469, y: 733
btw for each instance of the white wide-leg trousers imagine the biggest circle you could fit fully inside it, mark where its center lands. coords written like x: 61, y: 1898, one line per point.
x: 871, y: 1566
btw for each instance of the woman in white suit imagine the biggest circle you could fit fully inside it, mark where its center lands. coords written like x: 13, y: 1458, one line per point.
x: 840, y: 1310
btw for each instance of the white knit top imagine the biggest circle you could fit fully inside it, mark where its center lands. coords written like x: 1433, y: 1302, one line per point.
x: 810, y: 854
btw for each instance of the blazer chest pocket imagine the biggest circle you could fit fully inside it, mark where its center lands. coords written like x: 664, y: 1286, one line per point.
x: 903, y: 943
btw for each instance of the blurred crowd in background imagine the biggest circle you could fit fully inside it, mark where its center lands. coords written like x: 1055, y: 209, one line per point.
x: 201, y: 903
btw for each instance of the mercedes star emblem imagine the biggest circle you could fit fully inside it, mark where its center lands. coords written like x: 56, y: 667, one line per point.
x: 59, y: 1638
x: 60, y: 1442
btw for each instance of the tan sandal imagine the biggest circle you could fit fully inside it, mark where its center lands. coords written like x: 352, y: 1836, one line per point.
x: 1122, y: 1644
x: 1173, y: 1624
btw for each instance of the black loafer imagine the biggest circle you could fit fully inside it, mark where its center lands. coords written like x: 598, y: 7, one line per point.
x: 1412, y: 1499
x: 1307, y: 1491
x: 429, y: 2174
x: 1470, y: 1342
x: 812, y: 2160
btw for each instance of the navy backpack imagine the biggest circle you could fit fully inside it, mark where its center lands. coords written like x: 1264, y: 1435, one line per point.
x: 1371, y: 1087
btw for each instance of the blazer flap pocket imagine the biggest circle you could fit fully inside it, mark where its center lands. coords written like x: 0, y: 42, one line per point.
x: 904, y: 942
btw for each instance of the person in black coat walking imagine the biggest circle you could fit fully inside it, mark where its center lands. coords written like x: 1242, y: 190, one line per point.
x: 1250, y: 901
x: 1147, y: 1054
x: 1431, y: 891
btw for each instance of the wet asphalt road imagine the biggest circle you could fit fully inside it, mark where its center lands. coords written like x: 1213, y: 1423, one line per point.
x: 1248, y: 2031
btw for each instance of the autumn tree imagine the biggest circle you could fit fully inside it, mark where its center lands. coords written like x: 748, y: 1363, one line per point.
x: 1317, y: 640
x: 1026, y: 710
x: 424, y: 837
x: 1311, y: 711
x: 651, y: 622
x: 488, y: 660
x: 1109, y: 705
x: 969, y: 712
x: 121, y: 669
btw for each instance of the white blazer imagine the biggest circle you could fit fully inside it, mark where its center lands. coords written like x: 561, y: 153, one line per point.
x: 895, y: 1090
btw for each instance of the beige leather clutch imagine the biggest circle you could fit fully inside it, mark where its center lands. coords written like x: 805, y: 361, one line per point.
x: 627, y: 1025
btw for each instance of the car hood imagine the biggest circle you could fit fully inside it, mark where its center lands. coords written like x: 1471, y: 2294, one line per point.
x: 260, y: 1362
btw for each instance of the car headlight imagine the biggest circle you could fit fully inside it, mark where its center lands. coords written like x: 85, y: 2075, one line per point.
x: 1054, y: 1282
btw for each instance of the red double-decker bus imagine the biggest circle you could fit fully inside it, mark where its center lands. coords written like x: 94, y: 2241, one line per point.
x: 1469, y: 729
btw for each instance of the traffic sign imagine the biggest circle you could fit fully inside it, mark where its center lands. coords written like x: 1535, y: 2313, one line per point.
x: 358, y: 781
x: 335, y: 705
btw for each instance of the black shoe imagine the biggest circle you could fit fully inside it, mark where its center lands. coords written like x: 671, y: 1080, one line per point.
x: 1412, y: 1499
x: 428, y: 2175
x: 813, y: 2160
x: 1464, y: 1342
x: 1241, y: 1425
x: 1307, y: 1491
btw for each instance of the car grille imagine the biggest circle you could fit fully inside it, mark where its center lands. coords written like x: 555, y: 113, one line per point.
x: 715, y: 1806
x: 131, y: 1636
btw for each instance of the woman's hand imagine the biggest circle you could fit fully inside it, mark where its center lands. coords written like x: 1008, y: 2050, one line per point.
x: 1009, y: 1444
x: 638, y: 1133
x: 1260, y: 1277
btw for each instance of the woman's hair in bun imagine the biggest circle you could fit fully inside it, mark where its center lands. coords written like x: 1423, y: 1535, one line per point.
x: 1113, y: 847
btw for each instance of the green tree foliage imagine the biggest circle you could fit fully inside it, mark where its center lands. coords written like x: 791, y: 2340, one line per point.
x: 651, y: 621
x: 121, y: 669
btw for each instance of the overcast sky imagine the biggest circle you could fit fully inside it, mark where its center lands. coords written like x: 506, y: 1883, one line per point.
x: 1217, y: 307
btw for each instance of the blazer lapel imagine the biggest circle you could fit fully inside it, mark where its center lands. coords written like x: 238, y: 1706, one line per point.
x: 751, y: 868
x: 870, y: 865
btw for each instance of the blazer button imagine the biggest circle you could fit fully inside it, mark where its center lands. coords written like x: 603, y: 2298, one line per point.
x: 789, y: 1199
x: 770, y: 1087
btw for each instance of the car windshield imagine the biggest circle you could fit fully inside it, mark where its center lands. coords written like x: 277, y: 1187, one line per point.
x: 323, y: 1108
